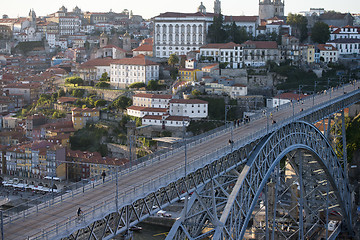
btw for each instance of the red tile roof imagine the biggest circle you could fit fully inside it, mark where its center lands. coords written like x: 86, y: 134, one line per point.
x: 229, y: 45
x: 177, y: 118
x: 66, y: 99
x: 155, y: 117
x: 240, y: 18
x: 97, y: 62
x: 261, y: 44
x: 153, y: 96
x: 144, y: 47
x: 326, y: 47
x: 290, y: 96
x: 138, y: 60
x: 184, y: 15
x: 188, y: 101
x: 147, y: 109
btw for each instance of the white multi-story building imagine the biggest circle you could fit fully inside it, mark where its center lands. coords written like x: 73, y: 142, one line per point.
x: 226, y: 86
x: 344, y: 32
x: 151, y: 100
x: 257, y: 53
x: 140, y: 112
x: 180, y: 33
x: 69, y: 25
x: 166, y: 121
x: 328, y: 53
x: 346, y: 46
x: 231, y: 53
x: 192, y: 108
x: 131, y: 70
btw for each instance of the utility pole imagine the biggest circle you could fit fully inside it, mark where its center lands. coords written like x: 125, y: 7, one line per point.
x: 185, y: 150
x: 314, y: 94
x: 2, y: 225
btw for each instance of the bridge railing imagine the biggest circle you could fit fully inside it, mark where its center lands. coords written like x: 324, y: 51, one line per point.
x: 133, y: 192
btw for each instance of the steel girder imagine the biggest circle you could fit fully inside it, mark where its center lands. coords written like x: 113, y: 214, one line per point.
x: 118, y: 222
x: 109, y: 225
x: 225, y: 205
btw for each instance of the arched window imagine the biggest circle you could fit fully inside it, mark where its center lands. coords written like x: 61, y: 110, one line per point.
x: 182, y: 28
x: 194, y: 28
x: 157, y: 28
x: 164, y: 29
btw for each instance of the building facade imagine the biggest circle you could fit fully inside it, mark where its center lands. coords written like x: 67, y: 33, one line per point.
x: 133, y: 70
x: 230, y: 53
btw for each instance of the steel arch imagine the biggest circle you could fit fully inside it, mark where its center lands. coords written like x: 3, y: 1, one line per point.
x: 268, y: 153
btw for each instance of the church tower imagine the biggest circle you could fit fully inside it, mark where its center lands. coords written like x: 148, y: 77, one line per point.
x: 279, y: 8
x: 127, y: 42
x: 217, y: 7
x: 32, y: 18
x: 202, y: 8
x: 271, y: 8
x: 103, y: 40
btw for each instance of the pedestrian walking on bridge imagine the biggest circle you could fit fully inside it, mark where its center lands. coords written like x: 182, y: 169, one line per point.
x: 103, y: 176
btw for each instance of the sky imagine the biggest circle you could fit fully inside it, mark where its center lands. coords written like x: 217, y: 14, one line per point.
x: 152, y: 8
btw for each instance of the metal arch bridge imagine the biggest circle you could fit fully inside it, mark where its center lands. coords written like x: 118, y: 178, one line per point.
x: 278, y: 181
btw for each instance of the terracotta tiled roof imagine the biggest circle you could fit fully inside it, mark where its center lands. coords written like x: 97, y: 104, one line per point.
x: 154, y: 117
x: 345, y: 40
x: 188, y: 101
x: 261, y: 44
x: 153, y: 96
x: 290, y: 96
x: 177, y: 118
x: 138, y: 60
x: 66, y: 99
x: 211, y: 66
x: 228, y: 45
x: 326, y: 47
x: 184, y: 15
x: 147, y: 109
x: 241, y: 19
x: 144, y: 47
x: 98, y: 62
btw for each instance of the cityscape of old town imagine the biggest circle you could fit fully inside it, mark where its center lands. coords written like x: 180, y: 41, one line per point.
x: 185, y: 125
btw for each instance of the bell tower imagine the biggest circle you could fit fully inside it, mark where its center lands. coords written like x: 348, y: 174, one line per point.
x: 217, y: 7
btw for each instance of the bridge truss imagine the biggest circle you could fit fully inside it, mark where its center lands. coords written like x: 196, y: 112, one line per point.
x: 287, y: 183
x: 291, y: 187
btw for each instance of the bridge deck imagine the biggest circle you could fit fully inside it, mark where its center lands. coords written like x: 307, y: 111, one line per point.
x: 61, y: 212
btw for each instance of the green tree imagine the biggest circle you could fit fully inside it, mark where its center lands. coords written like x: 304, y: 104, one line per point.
x: 102, y: 84
x: 320, y: 33
x: 74, y: 80
x: 105, y: 77
x: 299, y: 22
x: 78, y: 93
x: 174, y: 73
x: 61, y: 93
x: 152, y: 85
x: 100, y: 103
x: 122, y: 102
x: 216, y: 31
x: 195, y: 92
x: 173, y: 59
x: 237, y: 34
x: 137, y: 85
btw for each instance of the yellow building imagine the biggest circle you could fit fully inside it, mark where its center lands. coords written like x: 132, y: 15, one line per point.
x: 186, y: 74
x: 80, y: 116
x: 310, y: 54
